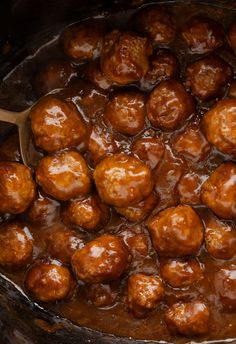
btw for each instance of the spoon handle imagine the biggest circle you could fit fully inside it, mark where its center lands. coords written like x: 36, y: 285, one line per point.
x: 9, y: 116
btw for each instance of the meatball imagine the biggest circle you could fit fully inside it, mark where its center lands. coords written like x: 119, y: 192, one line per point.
x: 225, y: 285
x: 176, y: 232
x: 17, y: 188
x: 95, y: 75
x: 122, y: 180
x: 207, y: 78
x: 202, y: 35
x: 80, y: 41
x: 144, y: 294
x: 188, y: 318
x: 49, y: 281
x: 219, y: 191
x: 89, y: 213
x: 232, y: 36
x: 101, y: 260
x: 169, y: 105
x: 101, y: 295
x: 181, y: 273
x: 124, y: 57
x: 138, y: 212
x: 10, y: 149
x: 149, y: 149
x: 157, y: 22
x: 64, y: 175
x: 189, y: 188
x: 219, y: 125
x: 125, y: 112
x: 16, y: 245
x: 56, y: 124
x: 135, y: 239
x: 220, y: 238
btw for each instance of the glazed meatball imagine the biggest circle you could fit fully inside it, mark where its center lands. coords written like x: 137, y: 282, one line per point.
x: 80, y: 41
x: 149, y: 149
x: 90, y: 213
x: 56, y: 124
x: 219, y: 191
x: 220, y: 238
x: 16, y: 245
x: 135, y: 239
x: 157, y: 22
x: 17, y: 188
x: 96, y: 76
x: 219, y: 125
x: 125, y: 112
x: 49, y: 281
x: 101, y: 295
x: 207, y: 78
x: 138, y: 212
x: 176, y: 232
x: 169, y: 105
x: 122, y: 180
x: 188, y: 318
x: 232, y: 36
x: 124, y: 57
x: 101, y: 260
x: 144, y: 294
x: 10, y: 149
x: 202, y: 35
x: 225, y: 285
x: 181, y: 273
x: 64, y: 175
x: 189, y: 188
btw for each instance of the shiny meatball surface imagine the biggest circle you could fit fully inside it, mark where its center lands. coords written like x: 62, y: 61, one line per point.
x: 56, y: 124
x: 14, y: 198
x: 144, y: 294
x: 219, y: 191
x: 189, y: 188
x: 122, y: 180
x: 102, y: 259
x: 176, y: 232
x: 64, y: 175
x: 169, y: 105
x: 225, y: 285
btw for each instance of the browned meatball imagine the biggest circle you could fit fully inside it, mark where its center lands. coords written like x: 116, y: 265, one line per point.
x: 122, y: 180
x: 149, y: 149
x: 220, y: 238
x: 83, y: 41
x: 101, y: 295
x: 10, y: 149
x: 16, y: 245
x: 220, y: 126
x: 125, y: 112
x: 181, y: 273
x: 138, y: 212
x: 189, y: 188
x: 232, y: 36
x: 136, y: 240
x: 169, y: 105
x: 207, y: 78
x: 144, y: 294
x: 124, y: 57
x: 202, y: 35
x: 188, y: 319
x: 96, y: 76
x: 56, y: 124
x: 49, y: 281
x: 90, y: 213
x: 64, y: 175
x: 176, y: 232
x: 17, y: 188
x: 219, y: 191
x: 157, y: 22
x: 101, y: 260
x: 225, y: 285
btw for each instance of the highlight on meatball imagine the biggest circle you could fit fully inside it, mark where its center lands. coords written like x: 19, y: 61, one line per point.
x: 123, y: 180
x: 169, y: 105
x: 188, y: 318
x: 203, y: 35
x: 56, y: 124
x: 124, y: 57
x: 219, y: 191
x: 176, y: 232
x: 101, y: 260
x: 225, y: 286
x: 16, y: 245
x: 144, y: 294
x: 125, y: 112
x: 17, y: 188
x: 64, y: 175
x: 10, y: 149
x: 219, y: 125
x: 49, y: 281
